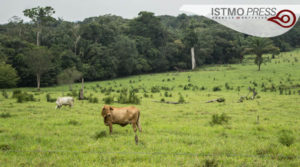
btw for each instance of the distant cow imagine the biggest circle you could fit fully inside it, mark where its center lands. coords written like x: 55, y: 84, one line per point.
x: 64, y: 101
x: 121, y: 116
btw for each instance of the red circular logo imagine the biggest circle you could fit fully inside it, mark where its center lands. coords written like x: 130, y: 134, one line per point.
x: 285, y: 18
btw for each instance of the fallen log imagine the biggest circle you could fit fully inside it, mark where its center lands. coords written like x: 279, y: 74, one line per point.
x: 168, y: 102
x: 220, y: 100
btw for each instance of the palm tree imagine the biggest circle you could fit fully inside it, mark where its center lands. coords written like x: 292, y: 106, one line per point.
x: 259, y: 47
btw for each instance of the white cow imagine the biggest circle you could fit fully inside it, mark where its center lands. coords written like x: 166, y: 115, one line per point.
x: 64, y: 101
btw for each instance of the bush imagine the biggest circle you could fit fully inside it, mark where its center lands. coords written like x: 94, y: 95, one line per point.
x: 131, y: 98
x: 4, y: 147
x: 93, y: 99
x: 73, y: 122
x: 219, y: 119
x: 99, y: 135
x: 16, y: 93
x: 216, y: 88
x: 5, y: 115
x: 8, y: 76
x: 181, y: 99
x: 220, y: 100
x: 146, y: 95
x: 49, y: 99
x: 210, y: 163
x: 73, y: 93
x: 227, y: 86
x: 23, y: 96
x: 286, y: 138
x: 108, y: 100
x: 155, y: 89
x: 4, y: 94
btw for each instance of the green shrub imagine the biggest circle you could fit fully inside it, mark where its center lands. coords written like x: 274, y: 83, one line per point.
x: 8, y: 76
x: 16, y: 93
x: 146, y: 95
x: 181, y: 99
x: 227, y: 86
x: 133, y: 99
x: 93, y: 99
x: 155, y: 89
x: 4, y: 94
x: 219, y: 119
x: 73, y: 93
x: 216, y: 88
x: 220, y: 100
x: 73, y: 122
x: 5, y: 115
x: 99, y: 135
x: 49, y: 99
x: 210, y: 163
x: 4, y: 147
x: 128, y: 98
x: 286, y: 138
x: 108, y: 100
x: 23, y: 96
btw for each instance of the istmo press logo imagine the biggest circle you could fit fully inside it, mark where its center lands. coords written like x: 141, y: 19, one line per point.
x: 255, y: 20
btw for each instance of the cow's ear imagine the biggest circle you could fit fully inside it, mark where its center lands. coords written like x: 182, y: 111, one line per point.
x: 111, y: 108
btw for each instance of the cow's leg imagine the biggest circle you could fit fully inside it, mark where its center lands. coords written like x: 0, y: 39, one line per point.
x: 134, y: 127
x: 110, y: 128
x: 139, y: 125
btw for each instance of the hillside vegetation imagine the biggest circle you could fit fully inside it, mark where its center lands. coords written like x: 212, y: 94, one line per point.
x: 108, y: 47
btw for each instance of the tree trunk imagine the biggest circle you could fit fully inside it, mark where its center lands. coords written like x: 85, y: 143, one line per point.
x: 193, y: 58
x: 82, y: 90
x: 38, y: 79
x: 38, y: 43
x: 76, y: 43
x: 258, y: 61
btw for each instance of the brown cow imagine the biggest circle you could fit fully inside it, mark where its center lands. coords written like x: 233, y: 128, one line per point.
x: 121, y: 116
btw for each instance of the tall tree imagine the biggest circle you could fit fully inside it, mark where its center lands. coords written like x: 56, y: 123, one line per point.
x: 191, y: 40
x: 259, y: 47
x: 124, y: 49
x: 76, y: 35
x: 17, y: 26
x: 40, y: 16
x: 38, y: 61
x: 68, y: 76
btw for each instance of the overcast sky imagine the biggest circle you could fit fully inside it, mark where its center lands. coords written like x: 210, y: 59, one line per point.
x: 77, y: 10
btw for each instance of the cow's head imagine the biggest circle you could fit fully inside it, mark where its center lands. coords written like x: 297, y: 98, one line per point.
x: 106, y: 114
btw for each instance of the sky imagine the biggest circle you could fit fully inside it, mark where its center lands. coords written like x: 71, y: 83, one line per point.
x: 78, y: 10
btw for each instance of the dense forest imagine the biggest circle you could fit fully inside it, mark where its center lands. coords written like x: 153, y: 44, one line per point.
x: 53, y: 51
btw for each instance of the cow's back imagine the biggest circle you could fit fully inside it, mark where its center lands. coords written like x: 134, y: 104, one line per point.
x: 125, y: 115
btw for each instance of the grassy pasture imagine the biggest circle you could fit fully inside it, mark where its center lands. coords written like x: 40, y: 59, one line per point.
x: 35, y: 134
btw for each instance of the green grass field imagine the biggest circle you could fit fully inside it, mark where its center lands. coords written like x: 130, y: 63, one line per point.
x: 35, y: 134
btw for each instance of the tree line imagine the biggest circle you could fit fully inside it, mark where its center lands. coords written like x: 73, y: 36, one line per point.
x: 48, y: 51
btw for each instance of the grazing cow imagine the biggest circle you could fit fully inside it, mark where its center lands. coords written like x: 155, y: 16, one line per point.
x: 64, y: 101
x: 121, y: 116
